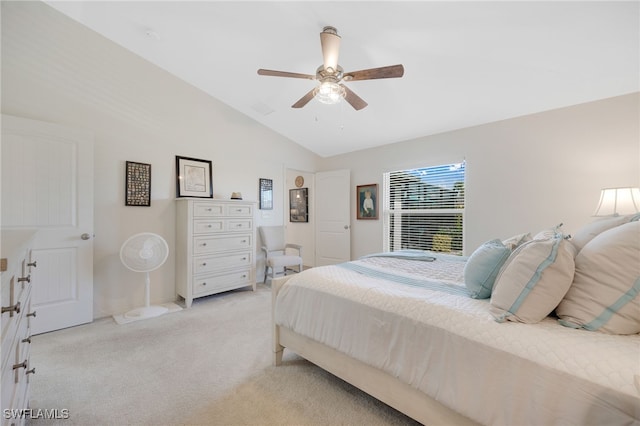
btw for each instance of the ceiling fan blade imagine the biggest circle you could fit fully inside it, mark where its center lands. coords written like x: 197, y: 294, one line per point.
x: 392, y: 71
x: 303, y: 100
x: 330, y: 41
x: 285, y: 74
x: 354, y: 100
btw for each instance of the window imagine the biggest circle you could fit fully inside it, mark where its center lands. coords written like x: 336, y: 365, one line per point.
x: 424, y: 209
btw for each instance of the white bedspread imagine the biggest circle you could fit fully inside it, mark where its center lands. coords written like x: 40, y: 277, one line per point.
x: 435, y: 338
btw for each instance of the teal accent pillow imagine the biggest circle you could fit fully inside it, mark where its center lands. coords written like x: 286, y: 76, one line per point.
x: 482, y: 268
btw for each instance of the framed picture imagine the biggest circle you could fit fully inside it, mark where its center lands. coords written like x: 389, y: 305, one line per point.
x: 137, y: 187
x: 193, y: 178
x: 266, y: 194
x: 367, y: 198
x: 298, y: 205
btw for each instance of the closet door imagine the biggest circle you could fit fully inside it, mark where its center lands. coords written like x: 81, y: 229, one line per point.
x: 333, y: 225
x: 47, y: 183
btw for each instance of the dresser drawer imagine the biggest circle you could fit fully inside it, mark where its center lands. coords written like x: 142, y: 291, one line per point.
x: 208, y: 209
x: 203, y: 226
x: 220, y: 282
x: 204, y: 264
x: 20, y: 296
x: 239, y: 210
x: 239, y: 225
x: 9, y: 389
x: 222, y: 243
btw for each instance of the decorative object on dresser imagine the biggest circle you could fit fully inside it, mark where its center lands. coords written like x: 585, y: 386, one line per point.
x: 137, y: 184
x: 144, y: 252
x: 278, y: 253
x: 215, y: 247
x: 298, y: 205
x: 266, y: 194
x: 193, y: 177
x: 16, y: 321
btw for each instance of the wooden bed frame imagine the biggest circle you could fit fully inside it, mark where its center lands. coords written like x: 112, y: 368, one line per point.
x: 374, y: 382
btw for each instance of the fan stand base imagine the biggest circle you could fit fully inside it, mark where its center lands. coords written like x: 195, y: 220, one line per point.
x: 146, y: 312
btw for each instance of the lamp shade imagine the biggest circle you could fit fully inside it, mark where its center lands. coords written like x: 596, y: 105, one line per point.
x: 618, y: 201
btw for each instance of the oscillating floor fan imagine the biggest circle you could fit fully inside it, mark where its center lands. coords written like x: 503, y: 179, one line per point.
x: 144, y: 252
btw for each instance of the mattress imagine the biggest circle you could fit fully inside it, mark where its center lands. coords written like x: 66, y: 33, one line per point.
x: 415, y: 320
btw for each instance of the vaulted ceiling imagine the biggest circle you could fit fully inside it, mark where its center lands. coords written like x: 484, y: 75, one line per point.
x: 466, y: 63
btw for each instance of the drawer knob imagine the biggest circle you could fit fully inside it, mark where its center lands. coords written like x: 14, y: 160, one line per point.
x: 23, y: 364
x: 32, y: 371
x: 204, y: 244
x: 204, y: 283
x: 244, y: 258
x: 209, y: 226
x: 32, y: 314
x: 244, y: 275
x: 26, y: 340
x: 27, y: 279
x: 243, y: 241
x: 204, y: 263
x: 33, y: 264
x: 209, y: 209
x: 11, y: 309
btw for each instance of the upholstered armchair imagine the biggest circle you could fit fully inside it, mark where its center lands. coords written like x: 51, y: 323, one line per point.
x: 278, y: 252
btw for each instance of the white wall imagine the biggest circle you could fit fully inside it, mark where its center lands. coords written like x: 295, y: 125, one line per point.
x: 55, y: 70
x: 523, y: 174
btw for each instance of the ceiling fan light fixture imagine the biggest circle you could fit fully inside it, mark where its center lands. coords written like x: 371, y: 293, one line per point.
x: 329, y: 92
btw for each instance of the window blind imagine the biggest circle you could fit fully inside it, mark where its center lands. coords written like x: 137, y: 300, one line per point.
x: 423, y: 208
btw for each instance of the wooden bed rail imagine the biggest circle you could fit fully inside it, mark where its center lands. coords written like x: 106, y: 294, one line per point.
x: 276, y: 285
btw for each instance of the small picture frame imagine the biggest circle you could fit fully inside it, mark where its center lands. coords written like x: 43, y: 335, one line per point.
x: 193, y: 178
x: 266, y: 194
x: 137, y: 187
x: 367, y: 201
x: 298, y: 205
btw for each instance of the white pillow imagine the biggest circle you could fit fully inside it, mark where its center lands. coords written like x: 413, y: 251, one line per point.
x: 591, y: 230
x: 605, y: 294
x: 513, y: 242
x: 533, y: 280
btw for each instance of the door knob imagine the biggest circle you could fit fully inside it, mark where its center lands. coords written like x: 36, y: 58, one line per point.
x: 85, y: 236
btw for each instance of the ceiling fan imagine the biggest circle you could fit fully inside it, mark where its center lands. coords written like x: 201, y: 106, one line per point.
x: 331, y: 75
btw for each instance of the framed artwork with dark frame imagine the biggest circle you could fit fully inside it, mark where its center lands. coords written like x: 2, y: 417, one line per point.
x: 266, y: 194
x: 298, y: 205
x: 193, y: 178
x: 367, y: 199
x: 137, y: 187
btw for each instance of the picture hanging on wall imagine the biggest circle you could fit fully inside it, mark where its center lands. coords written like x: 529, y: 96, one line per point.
x: 266, y: 194
x: 193, y: 178
x: 298, y: 205
x: 137, y: 179
x: 367, y: 196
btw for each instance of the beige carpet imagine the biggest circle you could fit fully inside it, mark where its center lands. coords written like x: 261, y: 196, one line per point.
x: 207, y: 365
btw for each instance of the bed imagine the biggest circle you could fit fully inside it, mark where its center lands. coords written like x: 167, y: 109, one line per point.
x: 402, y: 327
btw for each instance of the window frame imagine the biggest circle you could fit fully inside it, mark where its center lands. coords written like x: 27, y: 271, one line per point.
x: 427, y: 208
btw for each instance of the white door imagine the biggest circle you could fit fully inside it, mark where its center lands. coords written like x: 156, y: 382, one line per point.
x: 47, y: 183
x: 333, y: 226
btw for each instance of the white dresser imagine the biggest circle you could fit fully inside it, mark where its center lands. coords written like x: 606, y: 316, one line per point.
x: 215, y: 247
x: 16, y: 319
